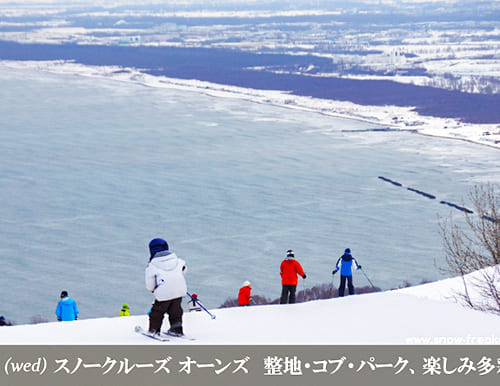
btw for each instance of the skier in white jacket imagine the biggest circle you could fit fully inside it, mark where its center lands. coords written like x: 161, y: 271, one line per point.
x: 165, y: 279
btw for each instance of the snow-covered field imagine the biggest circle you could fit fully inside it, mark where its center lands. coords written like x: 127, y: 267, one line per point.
x: 426, y: 314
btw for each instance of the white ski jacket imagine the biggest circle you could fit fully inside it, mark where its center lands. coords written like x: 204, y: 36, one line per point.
x: 165, y: 276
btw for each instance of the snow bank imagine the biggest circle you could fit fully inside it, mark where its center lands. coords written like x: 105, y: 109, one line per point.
x: 406, y: 316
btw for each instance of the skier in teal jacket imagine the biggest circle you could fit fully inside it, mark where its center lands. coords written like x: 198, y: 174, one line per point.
x: 66, y: 308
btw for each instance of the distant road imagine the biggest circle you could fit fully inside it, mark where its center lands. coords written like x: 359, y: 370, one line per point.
x: 231, y: 67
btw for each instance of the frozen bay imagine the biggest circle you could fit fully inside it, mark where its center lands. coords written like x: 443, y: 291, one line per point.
x: 92, y: 169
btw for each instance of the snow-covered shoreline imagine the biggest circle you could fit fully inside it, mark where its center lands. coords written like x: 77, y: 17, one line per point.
x: 392, y: 117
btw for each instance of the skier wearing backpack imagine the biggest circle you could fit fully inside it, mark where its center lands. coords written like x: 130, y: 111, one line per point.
x: 346, y: 261
x: 164, y: 277
x: 289, y: 269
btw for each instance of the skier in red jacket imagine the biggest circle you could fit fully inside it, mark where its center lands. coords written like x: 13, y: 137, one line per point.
x: 289, y: 269
x: 244, y: 296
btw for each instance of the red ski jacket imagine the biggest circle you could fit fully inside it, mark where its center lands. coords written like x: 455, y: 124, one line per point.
x: 289, y: 269
x: 244, y: 296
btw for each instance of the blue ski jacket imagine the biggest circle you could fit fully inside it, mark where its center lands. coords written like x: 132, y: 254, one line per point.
x: 66, y: 309
x: 346, y: 262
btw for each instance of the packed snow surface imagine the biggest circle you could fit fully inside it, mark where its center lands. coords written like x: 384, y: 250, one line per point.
x: 426, y: 314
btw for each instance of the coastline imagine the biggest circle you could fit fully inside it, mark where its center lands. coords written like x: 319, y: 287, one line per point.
x: 393, y: 117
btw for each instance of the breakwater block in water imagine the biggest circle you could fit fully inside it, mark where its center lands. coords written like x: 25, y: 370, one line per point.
x: 390, y: 181
x: 431, y: 196
x: 463, y: 209
x: 489, y: 218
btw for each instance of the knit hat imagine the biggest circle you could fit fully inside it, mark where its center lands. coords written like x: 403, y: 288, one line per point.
x: 125, y: 306
x: 64, y: 294
x: 289, y: 253
x: 247, y: 284
x: 157, y: 245
x: 347, y: 251
x: 194, y: 296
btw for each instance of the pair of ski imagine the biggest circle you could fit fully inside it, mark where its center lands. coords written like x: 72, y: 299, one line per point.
x: 162, y: 336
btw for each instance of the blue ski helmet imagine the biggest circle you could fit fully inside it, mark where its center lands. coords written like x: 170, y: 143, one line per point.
x: 347, y: 251
x: 157, y: 245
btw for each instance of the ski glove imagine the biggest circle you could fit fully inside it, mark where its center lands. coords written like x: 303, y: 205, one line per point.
x: 303, y: 277
x: 334, y: 271
x: 359, y: 266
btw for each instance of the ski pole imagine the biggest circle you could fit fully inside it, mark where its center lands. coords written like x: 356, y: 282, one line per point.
x: 201, y: 305
x: 369, y: 281
x: 304, y: 288
x: 331, y: 287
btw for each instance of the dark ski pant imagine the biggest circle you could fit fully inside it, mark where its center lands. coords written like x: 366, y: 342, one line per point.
x: 349, y: 285
x: 171, y: 307
x: 288, y: 294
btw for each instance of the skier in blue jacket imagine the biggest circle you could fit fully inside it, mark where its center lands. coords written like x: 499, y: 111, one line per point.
x: 346, y: 261
x: 66, y: 308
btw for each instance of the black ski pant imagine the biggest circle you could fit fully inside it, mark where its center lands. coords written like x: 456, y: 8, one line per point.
x: 171, y: 307
x: 349, y: 285
x: 288, y: 294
